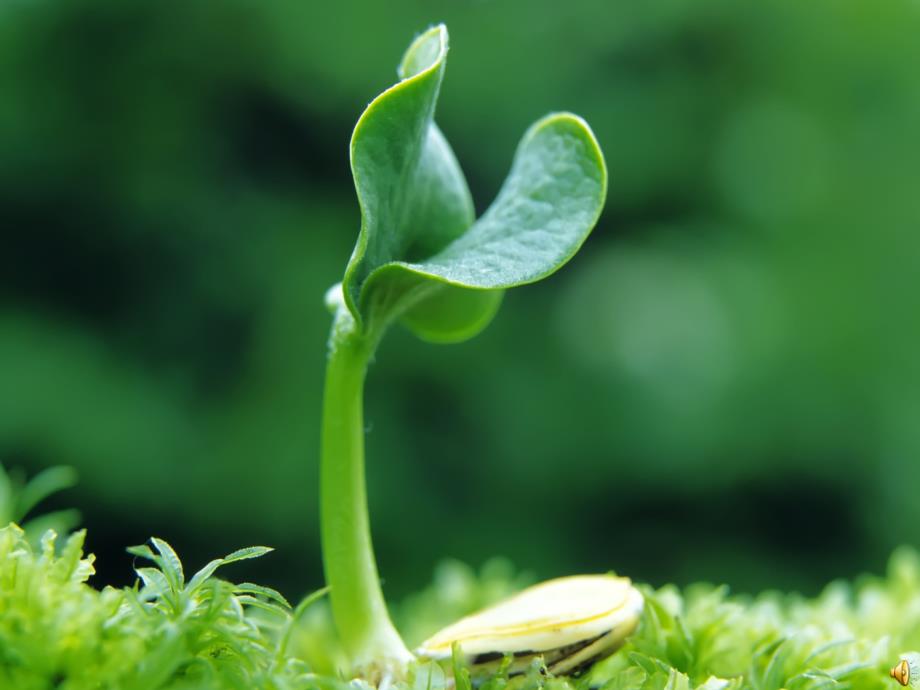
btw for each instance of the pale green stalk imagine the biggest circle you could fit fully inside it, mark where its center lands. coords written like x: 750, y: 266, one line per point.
x: 358, y: 606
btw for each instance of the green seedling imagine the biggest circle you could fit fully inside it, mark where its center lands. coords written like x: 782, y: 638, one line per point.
x: 422, y: 260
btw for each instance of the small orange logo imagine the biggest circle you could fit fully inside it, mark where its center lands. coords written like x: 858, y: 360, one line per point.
x: 901, y: 672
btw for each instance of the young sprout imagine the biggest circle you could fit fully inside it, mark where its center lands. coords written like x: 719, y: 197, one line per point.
x: 424, y: 261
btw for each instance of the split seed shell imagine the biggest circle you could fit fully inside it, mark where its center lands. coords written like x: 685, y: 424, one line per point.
x: 571, y: 621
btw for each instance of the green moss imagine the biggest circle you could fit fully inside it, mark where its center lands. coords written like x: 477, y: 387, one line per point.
x: 56, y: 631
x: 702, y: 637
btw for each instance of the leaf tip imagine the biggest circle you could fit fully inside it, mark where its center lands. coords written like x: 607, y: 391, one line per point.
x: 425, y: 52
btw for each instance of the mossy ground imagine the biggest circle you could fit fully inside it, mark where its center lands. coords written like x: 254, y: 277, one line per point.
x: 56, y: 631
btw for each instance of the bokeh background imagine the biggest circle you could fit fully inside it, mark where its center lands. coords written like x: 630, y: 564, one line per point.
x: 722, y: 385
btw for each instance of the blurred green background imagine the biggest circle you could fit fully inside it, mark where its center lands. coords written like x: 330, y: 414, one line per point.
x: 722, y: 385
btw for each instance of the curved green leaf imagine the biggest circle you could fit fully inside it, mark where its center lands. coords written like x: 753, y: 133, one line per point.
x: 452, y: 314
x: 546, y: 209
x: 420, y: 257
x: 414, y: 199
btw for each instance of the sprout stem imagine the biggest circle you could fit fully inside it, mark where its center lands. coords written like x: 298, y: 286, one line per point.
x: 358, y: 607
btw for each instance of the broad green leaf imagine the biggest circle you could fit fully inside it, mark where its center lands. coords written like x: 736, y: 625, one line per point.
x: 419, y: 256
x: 544, y: 212
x: 414, y: 199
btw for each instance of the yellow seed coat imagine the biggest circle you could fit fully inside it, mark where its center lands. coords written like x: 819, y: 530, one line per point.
x: 557, y: 613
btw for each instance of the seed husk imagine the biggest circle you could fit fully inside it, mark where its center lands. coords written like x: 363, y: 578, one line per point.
x: 570, y: 622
